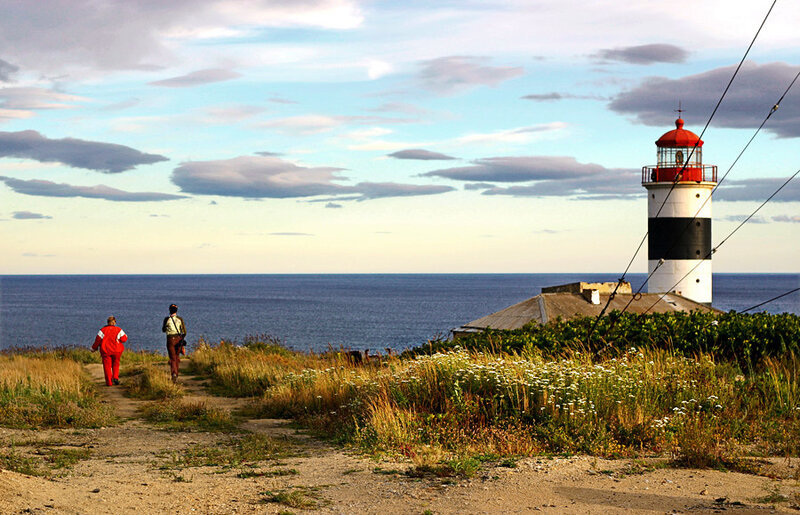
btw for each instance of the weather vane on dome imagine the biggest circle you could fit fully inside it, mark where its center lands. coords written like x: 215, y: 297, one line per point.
x: 679, y: 110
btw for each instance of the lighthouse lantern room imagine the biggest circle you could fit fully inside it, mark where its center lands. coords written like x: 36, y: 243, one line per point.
x: 679, y: 216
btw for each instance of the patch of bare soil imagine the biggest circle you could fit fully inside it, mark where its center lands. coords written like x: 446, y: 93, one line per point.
x: 136, y: 467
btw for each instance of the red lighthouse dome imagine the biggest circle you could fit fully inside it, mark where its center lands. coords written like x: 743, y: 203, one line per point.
x: 680, y: 158
x: 679, y: 137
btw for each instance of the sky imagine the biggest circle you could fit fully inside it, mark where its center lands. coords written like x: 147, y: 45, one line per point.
x: 345, y: 136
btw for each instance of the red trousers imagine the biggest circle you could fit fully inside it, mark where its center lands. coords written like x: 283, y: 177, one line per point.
x: 174, y: 353
x: 111, y: 366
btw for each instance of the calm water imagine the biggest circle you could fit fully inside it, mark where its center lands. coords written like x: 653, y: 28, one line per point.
x: 306, y: 311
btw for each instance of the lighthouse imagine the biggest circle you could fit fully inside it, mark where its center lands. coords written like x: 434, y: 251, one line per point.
x: 679, y: 216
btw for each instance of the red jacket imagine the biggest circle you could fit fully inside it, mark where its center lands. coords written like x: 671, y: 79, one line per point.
x: 110, y: 340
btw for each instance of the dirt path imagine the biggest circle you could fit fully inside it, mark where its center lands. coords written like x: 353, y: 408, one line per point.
x: 132, y: 468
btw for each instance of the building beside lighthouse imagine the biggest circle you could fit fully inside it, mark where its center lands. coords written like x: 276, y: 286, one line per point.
x: 679, y: 216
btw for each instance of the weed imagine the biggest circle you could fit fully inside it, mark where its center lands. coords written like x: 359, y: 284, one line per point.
x: 236, y: 452
x: 152, y: 383
x: 13, y: 461
x: 300, y: 497
x: 385, y: 472
x: 268, y: 473
x: 187, y: 416
x: 65, y: 458
x: 773, y: 496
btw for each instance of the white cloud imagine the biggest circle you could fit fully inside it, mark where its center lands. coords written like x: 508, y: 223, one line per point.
x: 448, y: 75
x: 377, y: 68
x: 516, y: 135
x: 198, y: 78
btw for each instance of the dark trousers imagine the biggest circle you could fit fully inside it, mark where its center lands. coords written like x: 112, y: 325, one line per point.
x: 110, y: 366
x: 174, y: 352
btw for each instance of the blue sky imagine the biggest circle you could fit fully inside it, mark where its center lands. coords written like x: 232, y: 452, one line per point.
x: 344, y: 136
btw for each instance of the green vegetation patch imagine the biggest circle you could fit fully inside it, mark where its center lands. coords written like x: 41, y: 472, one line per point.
x: 304, y: 498
x: 246, y: 451
x: 151, y: 382
x: 745, y: 339
x: 41, y: 461
x: 39, y: 392
x: 187, y: 416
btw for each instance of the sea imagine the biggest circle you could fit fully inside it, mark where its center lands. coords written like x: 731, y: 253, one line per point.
x: 306, y: 312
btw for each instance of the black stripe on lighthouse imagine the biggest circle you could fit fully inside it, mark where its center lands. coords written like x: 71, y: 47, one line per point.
x: 679, y: 238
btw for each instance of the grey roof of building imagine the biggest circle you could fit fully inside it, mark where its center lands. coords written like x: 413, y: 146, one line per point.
x: 549, y: 306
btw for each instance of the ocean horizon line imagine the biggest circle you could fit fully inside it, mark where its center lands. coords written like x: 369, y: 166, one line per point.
x: 239, y: 274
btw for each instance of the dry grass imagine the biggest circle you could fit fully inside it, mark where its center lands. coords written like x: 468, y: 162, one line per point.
x: 152, y: 382
x: 48, y: 392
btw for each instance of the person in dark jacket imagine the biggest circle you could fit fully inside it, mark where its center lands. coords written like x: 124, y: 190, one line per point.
x: 109, y: 341
x: 175, y: 328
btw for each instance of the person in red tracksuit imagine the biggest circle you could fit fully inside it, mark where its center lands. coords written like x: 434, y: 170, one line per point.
x: 110, y: 341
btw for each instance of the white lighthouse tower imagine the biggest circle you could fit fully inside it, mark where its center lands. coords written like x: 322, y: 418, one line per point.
x: 680, y: 231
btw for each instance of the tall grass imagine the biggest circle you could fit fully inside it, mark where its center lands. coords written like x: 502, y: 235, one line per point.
x: 151, y: 382
x: 48, y: 392
x: 247, y: 370
x: 457, y: 402
x: 83, y: 355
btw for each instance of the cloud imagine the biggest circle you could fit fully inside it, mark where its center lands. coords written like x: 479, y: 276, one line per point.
x: 375, y: 190
x: 28, y: 215
x: 32, y: 98
x: 280, y: 100
x: 317, y: 123
x: 519, y: 169
x: 77, y: 153
x: 257, y: 177
x: 545, y: 176
x: 111, y: 35
x: 290, y: 234
x: 644, y: 54
x: 742, y: 218
x: 269, y: 154
x: 516, y: 135
x: 41, y: 188
x: 786, y: 218
x: 453, y: 74
x: 198, y: 78
x: 399, y: 107
x: 231, y: 113
x: 544, y: 97
x: 123, y: 104
x: 418, y: 153
x: 608, y: 185
x: 7, y: 70
x: 478, y: 186
x: 333, y: 205
x: 746, y: 105
x: 554, y: 96
x: 758, y: 190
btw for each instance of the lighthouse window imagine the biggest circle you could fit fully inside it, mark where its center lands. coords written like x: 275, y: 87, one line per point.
x: 697, y: 280
x: 697, y: 195
x: 672, y: 156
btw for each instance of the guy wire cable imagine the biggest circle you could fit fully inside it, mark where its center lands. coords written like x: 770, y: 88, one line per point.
x: 770, y: 300
x: 680, y: 173
x: 713, y: 250
x: 774, y: 108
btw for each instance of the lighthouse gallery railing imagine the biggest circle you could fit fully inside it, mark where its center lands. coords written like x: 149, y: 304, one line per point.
x: 701, y: 173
